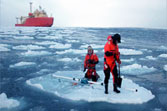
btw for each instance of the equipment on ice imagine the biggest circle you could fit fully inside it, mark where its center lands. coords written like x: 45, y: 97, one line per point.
x: 119, y: 78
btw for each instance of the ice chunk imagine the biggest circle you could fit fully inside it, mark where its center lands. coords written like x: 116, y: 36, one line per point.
x: 67, y: 89
x: 151, y: 58
x: 35, y: 53
x: 60, y: 46
x: 23, y: 37
x: 28, y: 47
x: 4, y: 47
x: 75, y: 51
x: 72, y: 41
x: 163, y: 55
x: 20, y: 64
x: 7, y: 103
x: 130, y: 52
x: 46, y: 43
x: 94, y: 46
x: 69, y: 59
x: 165, y: 67
x: 136, y: 69
x: 127, y: 60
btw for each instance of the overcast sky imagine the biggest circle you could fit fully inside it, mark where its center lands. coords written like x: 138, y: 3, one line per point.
x: 91, y: 13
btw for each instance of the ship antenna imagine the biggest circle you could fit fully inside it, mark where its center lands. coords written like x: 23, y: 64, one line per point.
x: 30, y: 7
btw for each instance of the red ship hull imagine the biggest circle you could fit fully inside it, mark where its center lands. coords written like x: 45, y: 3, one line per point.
x: 37, y: 22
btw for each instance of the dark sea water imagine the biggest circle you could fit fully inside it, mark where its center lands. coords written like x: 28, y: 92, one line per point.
x: 36, y: 45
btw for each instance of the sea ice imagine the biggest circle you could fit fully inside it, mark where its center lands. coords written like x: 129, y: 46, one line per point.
x: 60, y: 46
x: 21, y: 64
x: 130, y: 52
x: 28, y: 47
x: 163, y: 55
x: 165, y: 67
x: 35, y: 53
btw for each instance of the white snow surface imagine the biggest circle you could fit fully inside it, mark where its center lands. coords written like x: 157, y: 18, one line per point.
x: 130, y: 52
x: 165, y: 67
x: 151, y: 58
x: 7, y: 103
x: 30, y: 53
x: 28, y: 47
x: 46, y: 43
x: 136, y: 69
x: 90, y: 92
x: 20, y: 64
x: 127, y: 60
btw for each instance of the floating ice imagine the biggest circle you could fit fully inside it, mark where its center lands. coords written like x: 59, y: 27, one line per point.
x: 165, y: 67
x: 72, y: 41
x: 136, y: 69
x: 127, y: 60
x: 69, y: 60
x: 130, y: 52
x: 28, y: 47
x: 60, y: 46
x: 20, y: 64
x: 92, y: 92
x: 94, y: 46
x: 46, y: 43
x: 163, y: 47
x: 163, y: 55
x: 23, y: 37
x: 50, y: 37
x: 7, y: 103
x: 151, y: 58
x: 35, y: 53
x: 4, y: 47
x: 75, y: 51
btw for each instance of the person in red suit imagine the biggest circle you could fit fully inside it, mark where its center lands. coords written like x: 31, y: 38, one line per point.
x: 90, y: 62
x: 111, y: 56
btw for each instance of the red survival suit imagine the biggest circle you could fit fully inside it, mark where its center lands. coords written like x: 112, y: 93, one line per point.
x: 89, y: 63
x: 109, y: 61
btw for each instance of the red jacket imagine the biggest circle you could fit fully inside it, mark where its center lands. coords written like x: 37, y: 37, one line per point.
x: 114, y: 56
x: 94, y: 60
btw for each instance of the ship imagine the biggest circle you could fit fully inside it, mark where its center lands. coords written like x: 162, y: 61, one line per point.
x: 38, y: 18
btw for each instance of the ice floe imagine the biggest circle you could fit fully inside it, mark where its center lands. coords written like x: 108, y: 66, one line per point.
x: 94, y: 46
x: 91, y: 92
x: 165, y: 67
x: 28, y: 47
x: 21, y: 64
x: 69, y: 59
x: 136, y: 69
x: 35, y: 53
x: 163, y: 55
x: 7, y: 103
x: 130, y: 52
x: 127, y: 60
x: 75, y: 51
x: 4, y: 47
x: 46, y: 43
x: 60, y: 46
x: 23, y: 37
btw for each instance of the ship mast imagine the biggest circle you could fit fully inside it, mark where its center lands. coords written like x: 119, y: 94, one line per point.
x: 30, y: 7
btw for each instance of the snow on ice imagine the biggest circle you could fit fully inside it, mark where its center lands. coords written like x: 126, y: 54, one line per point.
x: 127, y: 60
x: 46, y: 43
x: 91, y: 92
x: 94, y: 46
x: 136, y: 69
x: 21, y: 64
x: 7, y: 103
x: 130, y: 52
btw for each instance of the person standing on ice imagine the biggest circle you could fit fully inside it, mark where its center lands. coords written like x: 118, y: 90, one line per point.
x: 90, y: 62
x: 111, y: 55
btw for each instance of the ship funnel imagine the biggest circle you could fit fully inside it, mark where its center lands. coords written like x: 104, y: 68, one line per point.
x: 30, y: 7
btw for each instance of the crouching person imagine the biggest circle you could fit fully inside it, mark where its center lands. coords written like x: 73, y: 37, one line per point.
x: 90, y: 62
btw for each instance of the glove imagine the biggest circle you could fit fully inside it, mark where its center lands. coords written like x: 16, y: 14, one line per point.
x: 84, y: 70
x: 91, y: 61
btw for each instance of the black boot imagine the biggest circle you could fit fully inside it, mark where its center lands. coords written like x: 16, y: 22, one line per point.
x: 115, y: 88
x: 106, y: 89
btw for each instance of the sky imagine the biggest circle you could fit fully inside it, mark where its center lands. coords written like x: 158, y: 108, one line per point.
x: 91, y: 13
